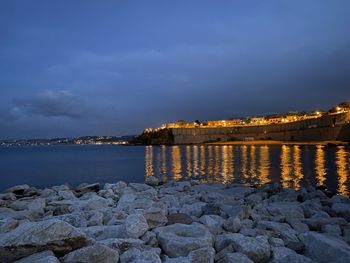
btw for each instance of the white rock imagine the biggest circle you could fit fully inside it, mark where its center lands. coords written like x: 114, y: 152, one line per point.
x: 136, y: 225
x: 178, y: 240
x: 31, y: 237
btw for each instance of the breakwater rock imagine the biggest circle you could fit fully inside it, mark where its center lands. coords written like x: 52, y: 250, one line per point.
x: 177, y: 222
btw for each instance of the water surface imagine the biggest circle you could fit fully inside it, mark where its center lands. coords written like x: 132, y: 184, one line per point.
x: 292, y: 165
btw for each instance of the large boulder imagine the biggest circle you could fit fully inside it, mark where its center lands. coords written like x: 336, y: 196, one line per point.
x: 32, y: 237
x: 178, y: 239
x: 322, y: 248
x: 92, y: 254
x: 257, y: 249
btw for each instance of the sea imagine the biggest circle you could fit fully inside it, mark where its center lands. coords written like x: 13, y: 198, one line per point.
x: 293, y: 166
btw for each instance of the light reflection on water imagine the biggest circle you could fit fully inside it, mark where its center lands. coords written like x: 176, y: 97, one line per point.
x: 292, y: 165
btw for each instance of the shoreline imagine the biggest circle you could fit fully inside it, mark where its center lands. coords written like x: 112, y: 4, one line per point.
x: 174, y: 222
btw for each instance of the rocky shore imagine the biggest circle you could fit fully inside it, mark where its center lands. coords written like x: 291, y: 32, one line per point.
x: 178, y: 222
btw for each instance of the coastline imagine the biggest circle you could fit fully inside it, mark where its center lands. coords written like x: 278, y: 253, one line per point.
x: 174, y: 222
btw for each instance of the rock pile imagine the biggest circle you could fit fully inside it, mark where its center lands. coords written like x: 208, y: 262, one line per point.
x: 177, y: 222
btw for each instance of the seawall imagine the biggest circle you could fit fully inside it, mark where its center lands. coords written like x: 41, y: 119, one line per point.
x: 326, y: 128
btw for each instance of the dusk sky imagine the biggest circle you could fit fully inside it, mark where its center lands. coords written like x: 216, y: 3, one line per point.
x: 72, y: 68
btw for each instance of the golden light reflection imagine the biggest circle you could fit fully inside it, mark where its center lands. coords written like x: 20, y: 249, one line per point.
x: 195, y: 161
x: 176, y: 158
x: 226, y: 163
x: 264, y: 165
x: 188, y: 161
x: 320, y: 165
x: 202, y: 160
x: 285, y: 166
x: 231, y: 164
x: 210, y: 160
x: 217, y: 162
x: 244, y: 153
x: 163, y: 166
x: 149, y: 161
x: 341, y: 158
x: 297, y: 166
x: 252, y: 168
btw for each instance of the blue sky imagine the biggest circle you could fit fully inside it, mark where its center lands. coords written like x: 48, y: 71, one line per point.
x: 71, y: 68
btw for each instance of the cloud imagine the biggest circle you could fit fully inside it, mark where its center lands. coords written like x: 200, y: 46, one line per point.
x: 51, y: 103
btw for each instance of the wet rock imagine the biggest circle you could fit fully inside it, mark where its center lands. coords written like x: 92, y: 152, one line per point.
x: 180, y: 218
x: 41, y: 257
x: 322, y: 248
x: 92, y: 254
x: 178, y: 239
x: 32, y: 237
x: 136, y: 225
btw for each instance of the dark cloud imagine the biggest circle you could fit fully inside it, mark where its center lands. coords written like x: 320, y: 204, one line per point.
x: 126, y: 66
x: 51, y: 103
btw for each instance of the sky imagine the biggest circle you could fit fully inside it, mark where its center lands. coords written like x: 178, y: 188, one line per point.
x: 74, y: 68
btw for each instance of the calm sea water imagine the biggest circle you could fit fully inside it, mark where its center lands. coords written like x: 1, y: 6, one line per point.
x: 293, y: 165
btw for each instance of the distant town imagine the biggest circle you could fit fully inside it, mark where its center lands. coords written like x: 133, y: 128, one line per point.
x: 94, y: 140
